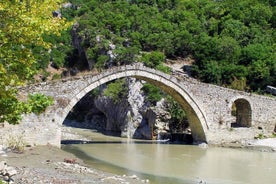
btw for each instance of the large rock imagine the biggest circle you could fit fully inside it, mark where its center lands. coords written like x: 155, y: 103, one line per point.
x: 271, y: 90
x: 158, y: 120
x: 123, y: 116
x: 6, y: 172
x: 115, y: 113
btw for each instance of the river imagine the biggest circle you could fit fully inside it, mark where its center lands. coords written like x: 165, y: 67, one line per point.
x: 176, y: 163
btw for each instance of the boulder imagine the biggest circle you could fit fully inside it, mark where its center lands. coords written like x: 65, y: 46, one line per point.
x: 6, y: 172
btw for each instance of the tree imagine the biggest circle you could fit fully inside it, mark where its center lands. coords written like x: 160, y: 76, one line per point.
x: 23, y: 25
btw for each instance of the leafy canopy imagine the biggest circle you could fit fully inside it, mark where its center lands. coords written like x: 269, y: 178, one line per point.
x: 230, y: 40
x: 23, y: 25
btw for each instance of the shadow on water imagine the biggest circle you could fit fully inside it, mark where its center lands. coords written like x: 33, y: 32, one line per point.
x: 68, y: 142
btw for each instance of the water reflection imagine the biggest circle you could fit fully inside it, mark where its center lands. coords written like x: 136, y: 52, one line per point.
x: 168, y: 163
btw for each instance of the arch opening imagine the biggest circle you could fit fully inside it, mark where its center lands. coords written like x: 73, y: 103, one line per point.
x: 242, y: 112
x: 161, y: 119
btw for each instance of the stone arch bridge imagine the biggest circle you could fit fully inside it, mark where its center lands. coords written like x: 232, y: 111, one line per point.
x: 208, y: 106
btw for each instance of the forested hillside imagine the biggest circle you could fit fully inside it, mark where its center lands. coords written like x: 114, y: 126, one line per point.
x: 231, y: 41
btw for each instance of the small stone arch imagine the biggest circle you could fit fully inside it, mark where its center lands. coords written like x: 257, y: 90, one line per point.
x: 241, y: 109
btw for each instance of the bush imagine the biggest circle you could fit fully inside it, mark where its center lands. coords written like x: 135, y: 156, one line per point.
x: 163, y: 68
x: 16, y: 143
x: 56, y: 76
x: 116, y: 90
x: 39, y: 102
x: 176, y: 111
x: 153, y: 59
x: 153, y: 93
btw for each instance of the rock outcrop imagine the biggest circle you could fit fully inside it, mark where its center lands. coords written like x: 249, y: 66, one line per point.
x: 158, y: 119
x: 130, y: 117
x: 115, y: 113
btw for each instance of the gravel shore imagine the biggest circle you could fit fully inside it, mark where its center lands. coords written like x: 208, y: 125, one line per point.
x: 48, y: 164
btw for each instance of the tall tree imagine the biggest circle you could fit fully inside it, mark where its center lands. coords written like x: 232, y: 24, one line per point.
x: 23, y: 25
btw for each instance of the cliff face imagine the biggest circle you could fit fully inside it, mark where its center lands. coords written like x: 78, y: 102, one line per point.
x: 129, y: 117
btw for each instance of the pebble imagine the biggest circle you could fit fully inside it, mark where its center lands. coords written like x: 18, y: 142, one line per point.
x: 133, y: 176
x: 203, y: 145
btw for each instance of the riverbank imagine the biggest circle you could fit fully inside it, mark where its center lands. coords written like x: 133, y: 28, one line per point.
x: 48, y: 164
x: 263, y: 145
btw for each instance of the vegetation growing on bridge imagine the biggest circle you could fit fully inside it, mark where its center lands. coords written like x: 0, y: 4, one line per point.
x: 37, y: 103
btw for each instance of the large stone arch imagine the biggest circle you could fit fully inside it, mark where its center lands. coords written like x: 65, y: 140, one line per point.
x: 243, y: 112
x: 167, y: 83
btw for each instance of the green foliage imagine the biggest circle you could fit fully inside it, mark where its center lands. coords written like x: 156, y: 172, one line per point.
x: 230, y: 40
x: 163, y: 68
x: 11, y: 108
x: 24, y: 24
x: 260, y: 136
x: 179, y: 121
x: 95, y: 92
x: 101, y: 61
x: 153, y: 93
x: 239, y: 84
x: 37, y: 103
x: 56, y: 76
x: 176, y: 111
x: 116, y: 90
x: 153, y: 59
x: 57, y: 54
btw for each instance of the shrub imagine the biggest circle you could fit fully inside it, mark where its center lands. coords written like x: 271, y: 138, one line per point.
x: 163, y: 68
x: 116, y: 90
x: 153, y: 59
x: 153, y: 93
x: 56, y: 76
x: 16, y: 143
x: 39, y: 102
x: 176, y: 111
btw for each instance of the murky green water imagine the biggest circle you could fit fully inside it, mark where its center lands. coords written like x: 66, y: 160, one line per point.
x: 168, y: 163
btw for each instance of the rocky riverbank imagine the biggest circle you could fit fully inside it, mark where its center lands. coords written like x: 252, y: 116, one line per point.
x: 47, y: 164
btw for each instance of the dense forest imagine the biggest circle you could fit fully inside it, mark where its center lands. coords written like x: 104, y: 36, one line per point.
x: 231, y: 42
